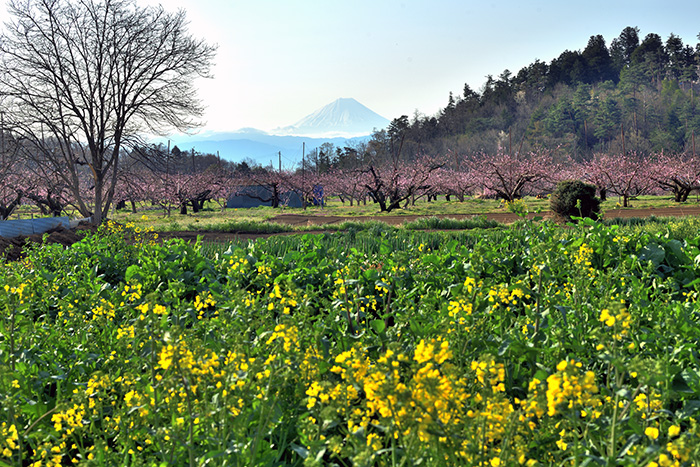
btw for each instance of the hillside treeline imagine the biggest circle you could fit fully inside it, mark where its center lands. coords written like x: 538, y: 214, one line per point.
x: 635, y: 94
x: 640, y: 93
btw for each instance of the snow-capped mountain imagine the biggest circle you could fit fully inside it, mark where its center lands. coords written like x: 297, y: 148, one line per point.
x: 343, y: 117
x: 342, y: 122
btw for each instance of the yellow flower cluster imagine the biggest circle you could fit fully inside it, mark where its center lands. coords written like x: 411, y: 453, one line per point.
x: 458, y: 310
x: 681, y: 450
x: 132, y: 293
x: 69, y: 419
x: 185, y: 360
x: 264, y: 270
x: 490, y: 374
x: 9, y: 439
x: 288, y: 335
x: 288, y: 299
x: 359, y: 298
x: 583, y: 256
x: 49, y: 455
x: 620, y: 321
x: 104, y: 310
x: 204, y: 303
x: 239, y: 266
x: 139, y: 402
x: 384, y: 392
x: 19, y: 291
x: 569, y: 389
x: 648, y: 404
x: 505, y: 296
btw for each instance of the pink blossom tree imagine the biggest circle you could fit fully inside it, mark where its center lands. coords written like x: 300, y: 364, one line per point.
x: 626, y: 175
x: 48, y: 191
x: 347, y: 184
x: 678, y: 173
x: 394, y: 182
x: 10, y: 180
x: 10, y: 193
x: 511, y: 176
x: 451, y: 182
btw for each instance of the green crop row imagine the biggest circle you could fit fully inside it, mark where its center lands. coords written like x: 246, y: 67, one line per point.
x: 533, y: 345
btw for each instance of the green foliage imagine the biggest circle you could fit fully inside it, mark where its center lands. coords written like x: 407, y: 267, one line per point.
x: 531, y: 345
x: 573, y: 198
x: 517, y: 206
x: 426, y: 223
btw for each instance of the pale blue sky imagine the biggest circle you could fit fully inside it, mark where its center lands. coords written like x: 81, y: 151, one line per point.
x: 280, y: 60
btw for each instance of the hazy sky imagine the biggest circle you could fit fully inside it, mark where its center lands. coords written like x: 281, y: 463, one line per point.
x: 280, y: 60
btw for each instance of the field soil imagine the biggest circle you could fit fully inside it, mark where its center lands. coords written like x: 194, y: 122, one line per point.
x: 504, y: 217
x: 11, y: 248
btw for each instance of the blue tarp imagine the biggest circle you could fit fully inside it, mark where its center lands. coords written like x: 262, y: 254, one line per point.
x: 15, y: 228
x: 253, y: 196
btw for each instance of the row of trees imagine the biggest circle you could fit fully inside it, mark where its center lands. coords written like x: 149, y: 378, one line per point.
x: 81, y: 80
x: 161, y: 179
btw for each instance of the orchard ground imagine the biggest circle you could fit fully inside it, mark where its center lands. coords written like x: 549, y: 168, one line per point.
x: 216, y: 225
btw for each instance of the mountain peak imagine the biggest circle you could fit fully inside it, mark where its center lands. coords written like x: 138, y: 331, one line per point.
x: 344, y: 117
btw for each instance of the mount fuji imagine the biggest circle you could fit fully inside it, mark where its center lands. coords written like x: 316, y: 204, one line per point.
x: 343, y: 117
x: 342, y: 122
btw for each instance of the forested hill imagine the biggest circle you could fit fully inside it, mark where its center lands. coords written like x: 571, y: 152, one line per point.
x: 637, y: 92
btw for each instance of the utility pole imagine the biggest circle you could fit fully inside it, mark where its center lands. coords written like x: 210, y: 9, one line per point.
x: 303, y: 174
x: 279, y: 157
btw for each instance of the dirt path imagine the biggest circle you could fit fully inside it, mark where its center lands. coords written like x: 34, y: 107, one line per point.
x: 12, y: 247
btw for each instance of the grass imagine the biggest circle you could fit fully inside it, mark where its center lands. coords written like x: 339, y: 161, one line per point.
x: 258, y: 220
x: 437, y: 223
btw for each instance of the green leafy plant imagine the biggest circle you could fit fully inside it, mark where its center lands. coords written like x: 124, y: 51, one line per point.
x: 573, y: 198
x: 530, y: 345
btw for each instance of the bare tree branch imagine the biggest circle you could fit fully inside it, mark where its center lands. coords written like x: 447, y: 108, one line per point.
x: 82, y: 78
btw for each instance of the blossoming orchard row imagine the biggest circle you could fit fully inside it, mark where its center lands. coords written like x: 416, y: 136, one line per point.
x: 531, y: 346
x: 389, y: 184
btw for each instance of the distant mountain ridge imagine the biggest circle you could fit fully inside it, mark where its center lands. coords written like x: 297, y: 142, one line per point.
x: 259, y: 146
x: 342, y: 122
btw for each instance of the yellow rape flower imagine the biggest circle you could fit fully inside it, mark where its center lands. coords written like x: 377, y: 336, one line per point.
x: 652, y: 432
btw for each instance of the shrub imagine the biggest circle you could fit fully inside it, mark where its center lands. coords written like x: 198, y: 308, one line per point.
x: 575, y: 198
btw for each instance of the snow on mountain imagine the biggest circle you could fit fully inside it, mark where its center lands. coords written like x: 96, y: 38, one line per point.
x: 343, y: 117
x: 342, y: 122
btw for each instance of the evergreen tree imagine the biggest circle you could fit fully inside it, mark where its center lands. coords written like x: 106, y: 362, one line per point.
x: 599, y: 65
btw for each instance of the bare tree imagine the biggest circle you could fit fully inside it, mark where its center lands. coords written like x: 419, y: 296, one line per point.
x: 11, y: 181
x: 89, y: 76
